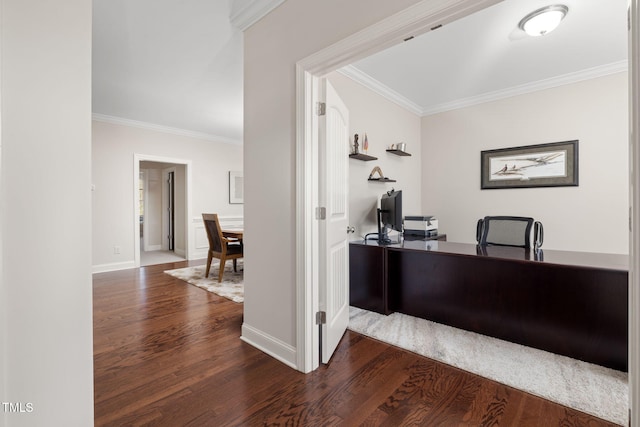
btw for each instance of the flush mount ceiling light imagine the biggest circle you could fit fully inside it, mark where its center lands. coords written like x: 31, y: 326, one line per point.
x: 543, y: 21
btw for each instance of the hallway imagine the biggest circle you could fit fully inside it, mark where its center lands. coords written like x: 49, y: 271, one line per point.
x: 158, y: 257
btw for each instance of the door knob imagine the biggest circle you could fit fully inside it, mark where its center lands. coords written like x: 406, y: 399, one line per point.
x: 350, y: 229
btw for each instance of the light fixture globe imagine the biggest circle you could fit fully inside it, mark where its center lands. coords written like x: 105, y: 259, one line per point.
x: 543, y: 21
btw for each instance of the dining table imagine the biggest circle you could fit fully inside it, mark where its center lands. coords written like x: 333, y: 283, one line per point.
x: 233, y: 233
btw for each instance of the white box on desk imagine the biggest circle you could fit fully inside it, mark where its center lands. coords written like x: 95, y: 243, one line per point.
x: 420, y: 224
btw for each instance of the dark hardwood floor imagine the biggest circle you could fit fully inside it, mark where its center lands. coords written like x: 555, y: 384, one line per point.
x: 167, y: 353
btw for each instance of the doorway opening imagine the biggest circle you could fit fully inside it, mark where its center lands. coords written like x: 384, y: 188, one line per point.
x: 411, y: 22
x: 318, y: 65
x: 162, y: 201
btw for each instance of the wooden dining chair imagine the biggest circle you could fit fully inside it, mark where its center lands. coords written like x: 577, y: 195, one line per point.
x: 219, y: 246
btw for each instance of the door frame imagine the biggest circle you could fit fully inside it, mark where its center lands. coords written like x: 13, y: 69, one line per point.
x: 145, y: 223
x: 634, y: 211
x: 137, y: 158
x: 413, y: 21
x: 165, y: 207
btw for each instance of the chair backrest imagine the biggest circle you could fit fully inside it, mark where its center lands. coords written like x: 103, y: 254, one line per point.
x: 214, y: 232
x: 505, y: 231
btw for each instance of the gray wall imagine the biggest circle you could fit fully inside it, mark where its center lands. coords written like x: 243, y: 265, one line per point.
x: 592, y: 217
x: 114, y: 147
x: 46, y: 328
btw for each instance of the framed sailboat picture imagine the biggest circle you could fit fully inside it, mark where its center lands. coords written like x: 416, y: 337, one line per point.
x: 543, y: 165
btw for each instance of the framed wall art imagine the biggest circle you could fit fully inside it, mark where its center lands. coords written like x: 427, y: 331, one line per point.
x: 543, y: 165
x: 236, y: 184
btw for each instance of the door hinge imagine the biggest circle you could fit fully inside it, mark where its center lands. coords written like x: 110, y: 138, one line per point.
x: 321, y: 213
x: 321, y: 317
x: 321, y: 108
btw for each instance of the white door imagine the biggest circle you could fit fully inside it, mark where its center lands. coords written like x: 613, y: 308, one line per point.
x: 334, y: 196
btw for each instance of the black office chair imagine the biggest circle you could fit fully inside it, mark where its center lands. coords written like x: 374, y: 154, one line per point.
x: 509, y: 231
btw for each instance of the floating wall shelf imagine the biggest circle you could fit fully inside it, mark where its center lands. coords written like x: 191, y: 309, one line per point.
x: 363, y: 157
x: 398, y: 152
x: 382, y: 179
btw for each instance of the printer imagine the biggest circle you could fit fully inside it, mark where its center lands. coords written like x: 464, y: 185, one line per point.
x: 426, y: 226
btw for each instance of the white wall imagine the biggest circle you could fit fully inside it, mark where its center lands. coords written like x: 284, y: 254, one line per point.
x: 114, y: 146
x: 592, y: 217
x: 385, y: 123
x: 153, y: 209
x: 45, y: 196
x: 293, y: 31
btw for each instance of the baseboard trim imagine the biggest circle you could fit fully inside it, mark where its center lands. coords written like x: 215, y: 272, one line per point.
x: 270, y: 345
x: 153, y: 248
x: 199, y: 254
x: 180, y: 252
x: 103, y: 268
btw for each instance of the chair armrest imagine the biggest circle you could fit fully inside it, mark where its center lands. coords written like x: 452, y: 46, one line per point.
x: 479, y: 230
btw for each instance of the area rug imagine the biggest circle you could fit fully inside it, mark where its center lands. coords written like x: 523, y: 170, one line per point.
x: 579, y: 385
x: 232, y: 286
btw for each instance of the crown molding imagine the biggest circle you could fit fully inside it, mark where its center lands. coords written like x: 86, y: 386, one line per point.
x: 165, y: 129
x: 385, y: 91
x: 245, y: 13
x: 565, y: 79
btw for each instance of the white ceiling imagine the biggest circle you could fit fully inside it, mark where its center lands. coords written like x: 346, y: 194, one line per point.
x: 179, y: 64
x: 171, y: 63
x: 485, y: 56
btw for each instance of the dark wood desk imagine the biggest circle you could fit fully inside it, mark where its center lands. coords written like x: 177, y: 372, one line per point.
x: 442, y: 237
x: 569, y: 303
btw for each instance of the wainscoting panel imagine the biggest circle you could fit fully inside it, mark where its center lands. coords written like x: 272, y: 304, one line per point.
x: 201, y: 243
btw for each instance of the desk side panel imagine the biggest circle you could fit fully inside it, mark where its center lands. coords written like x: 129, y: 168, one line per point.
x: 367, y: 278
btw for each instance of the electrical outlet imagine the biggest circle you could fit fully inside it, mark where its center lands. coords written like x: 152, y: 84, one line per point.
x: 116, y: 250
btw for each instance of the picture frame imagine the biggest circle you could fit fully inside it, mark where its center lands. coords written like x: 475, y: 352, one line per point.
x: 543, y: 165
x: 236, y: 187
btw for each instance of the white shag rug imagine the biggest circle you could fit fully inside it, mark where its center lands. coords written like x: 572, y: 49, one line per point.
x: 589, y: 388
x: 232, y: 286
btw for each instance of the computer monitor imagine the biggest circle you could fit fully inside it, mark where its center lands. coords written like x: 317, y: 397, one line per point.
x: 389, y: 214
